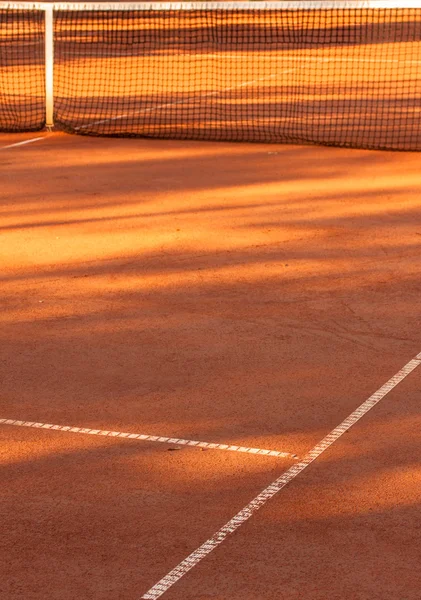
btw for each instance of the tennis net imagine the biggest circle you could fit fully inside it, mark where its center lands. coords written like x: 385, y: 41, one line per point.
x: 329, y: 72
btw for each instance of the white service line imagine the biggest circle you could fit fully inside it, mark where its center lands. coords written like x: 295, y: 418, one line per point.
x: 248, y: 511
x: 150, y: 438
x: 22, y: 143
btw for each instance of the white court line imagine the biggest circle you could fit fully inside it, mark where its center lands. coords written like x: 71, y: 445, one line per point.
x: 272, y: 57
x: 248, y: 511
x: 22, y: 143
x: 325, y: 59
x: 183, y: 101
x: 149, y: 438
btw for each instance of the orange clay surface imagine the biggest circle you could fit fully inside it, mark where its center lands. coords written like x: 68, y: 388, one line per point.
x: 238, y: 294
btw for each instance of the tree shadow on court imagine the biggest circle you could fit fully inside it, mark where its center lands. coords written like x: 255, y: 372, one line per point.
x: 141, y: 170
x: 254, y: 298
x: 230, y: 297
x: 230, y: 316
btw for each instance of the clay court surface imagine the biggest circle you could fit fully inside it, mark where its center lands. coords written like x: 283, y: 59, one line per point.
x: 246, y: 296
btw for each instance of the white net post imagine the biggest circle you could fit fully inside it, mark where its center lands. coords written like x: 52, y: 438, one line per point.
x: 49, y: 67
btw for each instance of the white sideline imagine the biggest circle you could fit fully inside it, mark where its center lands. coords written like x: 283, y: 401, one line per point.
x: 150, y: 438
x: 260, y: 500
x: 22, y: 143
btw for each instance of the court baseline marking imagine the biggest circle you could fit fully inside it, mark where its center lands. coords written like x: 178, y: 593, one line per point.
x: 261, y: 499
x: 149, y: 438
x: 22, y: 143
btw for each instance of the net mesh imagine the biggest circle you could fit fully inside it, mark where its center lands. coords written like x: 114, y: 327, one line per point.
x: 22, y: 96
x: 346, y: 77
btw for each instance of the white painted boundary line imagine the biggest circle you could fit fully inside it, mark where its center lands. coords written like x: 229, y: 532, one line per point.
x: 22, y: 143
x: 149, y: 438
x: 301, y: 59
x: 248, y: 511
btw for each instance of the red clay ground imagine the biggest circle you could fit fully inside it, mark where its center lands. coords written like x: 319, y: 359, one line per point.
x: 246, y: 294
